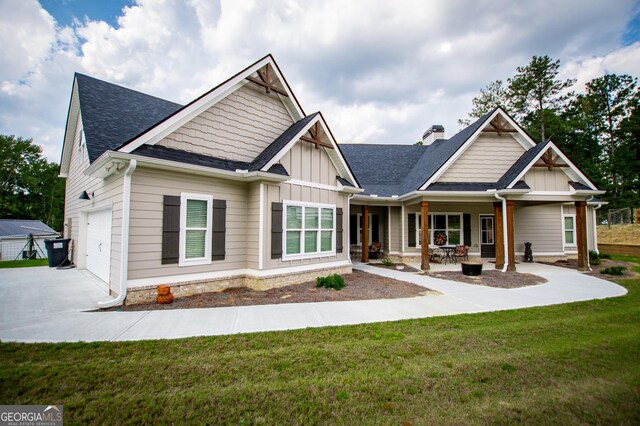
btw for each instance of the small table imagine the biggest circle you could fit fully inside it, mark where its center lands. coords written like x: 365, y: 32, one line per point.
x: 448, y: 253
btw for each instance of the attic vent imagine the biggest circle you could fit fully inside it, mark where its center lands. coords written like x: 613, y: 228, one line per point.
x: 434, y: 133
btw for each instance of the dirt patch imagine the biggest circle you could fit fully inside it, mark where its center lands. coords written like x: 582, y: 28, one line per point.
x: 396, y: 266
x: 604, y: 263
x: 492, y: 278
x: 359, y: 286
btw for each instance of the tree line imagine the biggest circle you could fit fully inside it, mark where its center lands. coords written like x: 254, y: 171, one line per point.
x: 29, y: 185
x: 598, y: 128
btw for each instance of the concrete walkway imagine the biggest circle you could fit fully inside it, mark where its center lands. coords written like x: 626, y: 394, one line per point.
x: 46, y: 305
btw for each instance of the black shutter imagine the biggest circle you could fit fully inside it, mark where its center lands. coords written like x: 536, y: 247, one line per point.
x: 353, y: 229
x: 276, y: 230
x: 339, y: 229
x: 375, y: 234
x: 219, y: 229
x: 412, y: 230
x: 466, y: 223
x: 170, y: 229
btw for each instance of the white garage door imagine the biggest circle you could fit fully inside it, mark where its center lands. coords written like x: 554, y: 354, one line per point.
x: 99, y: 243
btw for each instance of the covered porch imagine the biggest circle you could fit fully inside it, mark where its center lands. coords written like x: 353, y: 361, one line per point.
x: 492, y: 230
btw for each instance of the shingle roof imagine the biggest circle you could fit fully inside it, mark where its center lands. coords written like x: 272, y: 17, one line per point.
x: 281, y: 141
x: 579, y: 186
x: 112, y: 115
x: 172, y: 154
x: 412, y: 165
x: 20, y: 227
x: 520, y: 164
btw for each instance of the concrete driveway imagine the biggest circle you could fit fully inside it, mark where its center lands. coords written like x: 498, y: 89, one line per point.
x: 46, y: 305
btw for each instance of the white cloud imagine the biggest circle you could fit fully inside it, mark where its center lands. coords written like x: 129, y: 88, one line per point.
x: 380, y: 71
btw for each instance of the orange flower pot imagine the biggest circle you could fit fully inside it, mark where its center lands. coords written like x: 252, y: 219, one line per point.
x: 164, y: 290
x: 164, y: 299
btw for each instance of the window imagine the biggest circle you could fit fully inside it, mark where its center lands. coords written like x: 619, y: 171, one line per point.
x: 569, y: 230
x: 448, y: 223
x: 195, y: 229
x: 309, y: 230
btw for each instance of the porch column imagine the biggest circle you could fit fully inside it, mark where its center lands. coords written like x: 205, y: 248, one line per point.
x: 424, y: 211
x: 365, y: 234
x: 510, y: 237
x: 498, y: 233
x: 581, y: 235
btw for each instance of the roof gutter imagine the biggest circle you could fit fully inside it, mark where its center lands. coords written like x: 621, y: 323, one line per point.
x: 124, y: 238
x: 104, y: 165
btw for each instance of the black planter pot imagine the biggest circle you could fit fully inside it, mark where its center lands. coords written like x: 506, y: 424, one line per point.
x: 471, y: 269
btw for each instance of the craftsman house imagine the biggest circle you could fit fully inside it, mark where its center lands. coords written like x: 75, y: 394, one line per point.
x: 489, y: 187
x: 238, y: 187
x: 241, y: 187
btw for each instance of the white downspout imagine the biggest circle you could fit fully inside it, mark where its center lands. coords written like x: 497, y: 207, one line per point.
x: 595, y: 228
x: 505, y: 237
x: 124, y: 241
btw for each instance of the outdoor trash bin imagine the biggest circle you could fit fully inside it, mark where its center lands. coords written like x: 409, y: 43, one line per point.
x: 57, y: 251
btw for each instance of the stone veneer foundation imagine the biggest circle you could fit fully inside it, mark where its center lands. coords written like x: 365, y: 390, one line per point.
x: 148, y: 294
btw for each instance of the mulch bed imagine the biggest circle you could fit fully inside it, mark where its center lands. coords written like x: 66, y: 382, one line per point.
x: 359, y: 286
x: 604, y: 263
x: 492, y: 278
x: 405, y: 267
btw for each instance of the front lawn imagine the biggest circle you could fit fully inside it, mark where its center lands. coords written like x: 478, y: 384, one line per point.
x: 565, y: 364
x: 23, y: 263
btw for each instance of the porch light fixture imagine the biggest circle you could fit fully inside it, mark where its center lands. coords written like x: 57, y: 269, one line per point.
x: 85, y: 196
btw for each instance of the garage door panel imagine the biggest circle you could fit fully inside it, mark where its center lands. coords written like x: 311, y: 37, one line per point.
x: 99, y: 243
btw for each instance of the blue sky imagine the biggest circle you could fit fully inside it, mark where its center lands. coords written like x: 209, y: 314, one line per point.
x: 381, y: 71
x: 103, y: 10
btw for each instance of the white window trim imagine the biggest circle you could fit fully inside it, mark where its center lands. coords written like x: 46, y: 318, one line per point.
x: 566, y: 245
x: 318, y: 254
x: 206, y: 260
x: 418, y: 220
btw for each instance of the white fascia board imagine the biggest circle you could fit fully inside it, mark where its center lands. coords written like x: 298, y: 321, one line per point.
x: 522, y: 138
x: 191, y: 111
x: 339, y: 163
x: 367, y: 199
x: 336, y: 158
x: 555, y: 149
x: 459, y: 152
x: 98, y: 168
x: 70, y: 131
x: 290, y: 145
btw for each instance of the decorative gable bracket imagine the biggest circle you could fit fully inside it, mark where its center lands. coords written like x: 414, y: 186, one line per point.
x: 315, y: 137
x: 266, y: 80
x: 550, y: 161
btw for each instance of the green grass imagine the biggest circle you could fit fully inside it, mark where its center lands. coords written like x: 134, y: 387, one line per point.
x: 564, y: 364
x: 23, y: 263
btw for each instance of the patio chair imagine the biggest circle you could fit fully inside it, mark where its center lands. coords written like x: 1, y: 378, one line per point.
x: 374, y: 250
x: 435, y: 256
x: 461, y: 252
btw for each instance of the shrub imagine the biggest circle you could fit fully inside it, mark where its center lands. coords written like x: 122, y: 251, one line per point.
x: 604, y: 256
x: 387, y: 262
x: 614, y: 270
x: 593, y: 255
x: 334, y: 281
